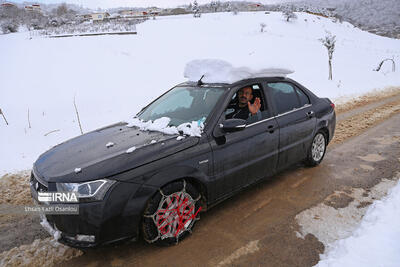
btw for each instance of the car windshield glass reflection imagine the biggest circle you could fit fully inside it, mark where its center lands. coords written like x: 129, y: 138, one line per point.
x: 183, y: 104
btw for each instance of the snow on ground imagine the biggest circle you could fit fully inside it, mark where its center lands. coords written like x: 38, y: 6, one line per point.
x: 376, y: 240
x: 113, y: 77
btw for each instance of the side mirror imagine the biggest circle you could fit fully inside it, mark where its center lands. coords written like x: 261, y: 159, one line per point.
x: 233, y: 125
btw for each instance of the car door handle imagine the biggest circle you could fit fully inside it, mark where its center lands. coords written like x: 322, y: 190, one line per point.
x: 271, y: 128
x: 310, y: 114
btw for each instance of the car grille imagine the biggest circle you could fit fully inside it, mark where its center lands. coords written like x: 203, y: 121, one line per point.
x: 38, y: 184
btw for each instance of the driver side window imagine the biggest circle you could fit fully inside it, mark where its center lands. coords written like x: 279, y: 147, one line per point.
x: 238, y: 107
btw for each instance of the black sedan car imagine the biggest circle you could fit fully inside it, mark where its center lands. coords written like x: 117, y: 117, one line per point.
x: 186, y: 152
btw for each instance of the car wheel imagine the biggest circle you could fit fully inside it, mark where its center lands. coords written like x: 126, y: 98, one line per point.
x: 317, y: 150
x: 171, y: 213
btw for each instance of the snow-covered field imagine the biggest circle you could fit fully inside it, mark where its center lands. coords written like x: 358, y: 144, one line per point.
x: 112, y: 77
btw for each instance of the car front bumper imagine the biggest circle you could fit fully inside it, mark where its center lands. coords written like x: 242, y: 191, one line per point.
x: 116, y: 217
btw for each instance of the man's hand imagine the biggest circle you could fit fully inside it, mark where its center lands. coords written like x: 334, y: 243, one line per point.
x: 255, y: 107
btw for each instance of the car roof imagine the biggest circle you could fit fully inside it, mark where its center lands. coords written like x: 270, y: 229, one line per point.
x: 195, y: 84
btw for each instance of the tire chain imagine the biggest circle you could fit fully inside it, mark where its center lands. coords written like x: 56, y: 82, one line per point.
x: 181, y: 231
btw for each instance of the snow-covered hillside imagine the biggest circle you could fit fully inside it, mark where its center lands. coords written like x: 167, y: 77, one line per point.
x: 112, y: 77
x: 380, y: 16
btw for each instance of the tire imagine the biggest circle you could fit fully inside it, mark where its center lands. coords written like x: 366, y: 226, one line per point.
x: 317, y: 149
x: 171, y: 214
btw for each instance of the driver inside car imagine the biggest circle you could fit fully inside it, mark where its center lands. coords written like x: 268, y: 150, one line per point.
x: 243, y: 109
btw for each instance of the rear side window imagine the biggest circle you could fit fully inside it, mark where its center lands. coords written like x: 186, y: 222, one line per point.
x: 284, y: 97
x: 302, y: 97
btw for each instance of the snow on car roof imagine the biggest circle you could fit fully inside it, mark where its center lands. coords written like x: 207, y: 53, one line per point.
x: 219, y: 71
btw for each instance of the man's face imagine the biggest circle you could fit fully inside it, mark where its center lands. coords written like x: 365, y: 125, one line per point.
x: 245, y: 95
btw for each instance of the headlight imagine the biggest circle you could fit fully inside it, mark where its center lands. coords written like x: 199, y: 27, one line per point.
x: 94, y: 190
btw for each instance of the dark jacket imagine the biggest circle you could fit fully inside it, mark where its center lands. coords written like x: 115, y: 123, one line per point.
x: 239, y: 113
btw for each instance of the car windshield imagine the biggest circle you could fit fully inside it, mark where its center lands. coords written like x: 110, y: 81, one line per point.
x: 183, y: 104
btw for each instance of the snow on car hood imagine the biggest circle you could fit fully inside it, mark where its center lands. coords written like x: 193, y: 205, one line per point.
x: 105, y: 152
x: 194, y: 128
x: 219, y: 71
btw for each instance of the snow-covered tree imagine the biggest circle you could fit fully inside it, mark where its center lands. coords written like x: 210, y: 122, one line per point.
x: 288, y: 13
x: 62, y: 14
x: 11, y: 18
x: 329, y: 42
x: 9, y: 26
x: 196, y: 9
x: 228, y: 7
x: 215, y: 6
x: 235, y: 10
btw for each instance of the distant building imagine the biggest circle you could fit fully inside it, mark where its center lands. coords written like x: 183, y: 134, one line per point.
x: 131, y: 13
x: 154, y: 11
x: 255, y: 7
x: 126, y: 12
x: 7, y: 5
x: 100, y: 16
x: 35, y: 8
x: 84, y: 16
x: 115, y: 16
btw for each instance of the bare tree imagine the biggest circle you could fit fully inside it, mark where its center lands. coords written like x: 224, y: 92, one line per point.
x: 383, y: 61
x: 262, y: 27
x: 329, y: 42
x: 61, y: 10
x: 77, y: 115
x: 4, y: 117
x: 29, y: 120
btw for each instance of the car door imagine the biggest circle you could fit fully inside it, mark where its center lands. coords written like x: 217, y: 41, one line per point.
x: 264, y: 144
x: 296, y: 120
x: 244, y: 156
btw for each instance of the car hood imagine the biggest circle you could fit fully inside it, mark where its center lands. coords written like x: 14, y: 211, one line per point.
x: 97, y: 158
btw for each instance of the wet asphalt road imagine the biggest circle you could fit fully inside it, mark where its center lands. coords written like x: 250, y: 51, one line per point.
x: 257, y: 227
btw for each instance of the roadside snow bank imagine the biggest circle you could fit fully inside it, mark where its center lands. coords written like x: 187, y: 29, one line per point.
x: 14, y: 188
x: 194, y: 128
x: 220, y: 71
x: 375, y: 242
x: 46, y: 252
